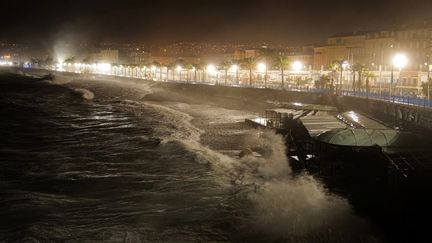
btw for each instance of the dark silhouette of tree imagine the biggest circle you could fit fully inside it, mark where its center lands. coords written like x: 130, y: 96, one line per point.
x: 282, y: 62
x: 249, y: 63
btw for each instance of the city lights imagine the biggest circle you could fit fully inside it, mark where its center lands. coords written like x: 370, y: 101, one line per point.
x: 400, y: 60
x: 103, y: 67
x: 234, y: 68
x: 179, y: 68
x: 297, y: 66
x: 3, y: 63
x: 211, y: 69
x: 261, y: 67
x: 345, y: 65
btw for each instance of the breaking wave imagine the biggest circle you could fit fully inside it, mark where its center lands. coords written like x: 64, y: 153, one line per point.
x: 85, y: 94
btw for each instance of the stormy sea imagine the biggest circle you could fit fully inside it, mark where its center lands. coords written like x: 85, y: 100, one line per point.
x: 103, y: 159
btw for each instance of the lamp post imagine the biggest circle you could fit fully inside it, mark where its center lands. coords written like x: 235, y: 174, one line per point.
x: 179, y: 69
x: 297, y: 66
x: 212, y: 71
x: 262, y: 67
x: 235, y: 68
x: 399, y: 61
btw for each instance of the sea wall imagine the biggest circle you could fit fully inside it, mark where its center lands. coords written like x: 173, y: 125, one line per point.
x: 408, y: 115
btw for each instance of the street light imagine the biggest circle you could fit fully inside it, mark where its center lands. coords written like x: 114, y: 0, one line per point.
x: 235, y: 68
x: 211, y: 69
x: 399, y: 61
x: 262, y: 67
x: 153, y: 69
x: 297, y: 66
x: 179, y: 69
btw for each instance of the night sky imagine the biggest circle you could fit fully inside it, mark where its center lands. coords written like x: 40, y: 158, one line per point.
x: 288, y: 22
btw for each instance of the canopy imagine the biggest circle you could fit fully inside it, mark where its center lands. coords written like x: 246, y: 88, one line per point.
x: 361, y: 137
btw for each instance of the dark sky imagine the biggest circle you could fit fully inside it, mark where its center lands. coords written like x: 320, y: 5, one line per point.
x: 289, y: 22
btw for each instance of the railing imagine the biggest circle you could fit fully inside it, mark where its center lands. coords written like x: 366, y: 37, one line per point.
x: 406, y: 100
x: 270, y: 84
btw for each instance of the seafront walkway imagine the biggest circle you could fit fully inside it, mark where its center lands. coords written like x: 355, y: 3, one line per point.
x: 156, y: 76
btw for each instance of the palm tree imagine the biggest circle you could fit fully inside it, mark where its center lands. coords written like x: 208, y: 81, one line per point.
x: 158, y: 65
x: 282, y: 62
x: 425, y: 86
x: 359, y: 68
x: 203, y: 67
x: 323, y: 82
x: 268, y: 55
x: 249, y: 63
x: 188, y: 67
x: 369, y: 75
x: 335, y: 66
x: 197, y: 68
x: 171, y: 66
x: 225, y: 66
x: 70, y: 60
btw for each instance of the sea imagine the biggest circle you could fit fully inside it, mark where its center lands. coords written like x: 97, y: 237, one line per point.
x: 103, y: 159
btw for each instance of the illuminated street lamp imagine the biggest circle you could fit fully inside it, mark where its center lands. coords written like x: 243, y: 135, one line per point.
x: 153, y: 69
x: 297, y: 66
x: 212, y: 71
x: 262, y: 67
x: 235, y: 68
x: 179, y: 69
x: 399, y: 61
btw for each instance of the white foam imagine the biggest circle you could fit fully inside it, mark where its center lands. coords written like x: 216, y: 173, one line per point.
x: 85, y: 93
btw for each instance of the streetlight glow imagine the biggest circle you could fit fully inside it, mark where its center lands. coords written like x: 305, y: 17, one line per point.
x: 400, y: 60
x: 234, y: 68
x: 153, y: 68
x: 297, y: 65
x: 345, y: 64
x: 261, y: 67
x: 211, y: 69
x: 179, y: 68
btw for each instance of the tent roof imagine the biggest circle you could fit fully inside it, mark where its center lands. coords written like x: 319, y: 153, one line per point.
x: 361, y: 137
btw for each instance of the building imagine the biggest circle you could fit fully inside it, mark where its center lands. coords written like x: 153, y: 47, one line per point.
x: 109, y: 56
x: 247, y: 53
x: 105, y: 56
x: 379, y: 50
x: 139, y: 57
x: 345, y: 46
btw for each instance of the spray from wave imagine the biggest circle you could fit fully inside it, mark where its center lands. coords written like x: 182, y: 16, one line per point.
x: 291, y: 208
x: 85, y: 94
